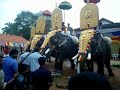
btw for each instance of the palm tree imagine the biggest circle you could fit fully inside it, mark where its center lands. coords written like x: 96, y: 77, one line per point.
x: 8, y: 28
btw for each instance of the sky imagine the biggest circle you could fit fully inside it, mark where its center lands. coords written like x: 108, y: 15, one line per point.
x: 9, y: 9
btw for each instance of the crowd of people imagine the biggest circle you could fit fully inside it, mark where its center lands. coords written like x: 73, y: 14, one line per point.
x: 29, y: 72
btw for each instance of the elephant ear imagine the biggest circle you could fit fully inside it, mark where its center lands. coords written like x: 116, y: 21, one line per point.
x: 61, y: 39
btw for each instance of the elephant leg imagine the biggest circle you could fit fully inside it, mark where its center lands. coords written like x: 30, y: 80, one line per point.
x: 56, y: 63
x: 83, y: 66
x: 100, y: 64
x: 60, y: 63
x: 90, y: 65
x: 107, y: 64
x: 56, y: 55
x: 49, y: 59
x: 72, y: 64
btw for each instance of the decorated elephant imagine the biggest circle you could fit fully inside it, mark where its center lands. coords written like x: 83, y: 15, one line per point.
x: 99, y: 51
x: 37, y: 34
x: 65, y: 47
x: 92, y: 46
x: 102, y: 53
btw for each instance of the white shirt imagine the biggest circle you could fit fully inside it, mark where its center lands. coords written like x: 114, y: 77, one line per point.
x: 67, y: 32
x: 33, y: 61
x: 22, y: 58
x: 2, y: 83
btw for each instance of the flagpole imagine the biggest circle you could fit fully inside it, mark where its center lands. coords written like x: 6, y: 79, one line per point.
x: 55, y: 3
x: 88, y: 1
x: 64, y: 16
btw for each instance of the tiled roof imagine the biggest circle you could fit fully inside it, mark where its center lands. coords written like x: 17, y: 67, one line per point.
x: 12, y: 38
x: 106, y: 26
x: 114, y: 25
x: 116, y: 38
x: 103, y: 19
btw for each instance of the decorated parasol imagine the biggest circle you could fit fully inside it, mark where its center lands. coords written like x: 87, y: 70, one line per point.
x: 92, y: 1
x: 47, y: 13
x: 65, y: 6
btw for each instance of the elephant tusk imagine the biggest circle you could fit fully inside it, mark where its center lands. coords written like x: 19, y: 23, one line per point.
x: 89, y: 56
x: 75, y: 56
x: 46, y: 52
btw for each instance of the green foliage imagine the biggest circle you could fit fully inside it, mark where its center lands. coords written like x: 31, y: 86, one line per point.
x: 117, y: 66
x: 8, y: 29
x: 22, y: 24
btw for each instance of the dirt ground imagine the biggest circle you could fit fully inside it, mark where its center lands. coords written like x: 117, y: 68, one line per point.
x: 61, y: 82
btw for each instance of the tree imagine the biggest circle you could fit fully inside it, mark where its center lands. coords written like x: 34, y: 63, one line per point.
x: 23, y: 23
x: 8, y: 28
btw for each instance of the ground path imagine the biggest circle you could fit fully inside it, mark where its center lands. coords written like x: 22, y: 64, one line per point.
x: 61, y: 82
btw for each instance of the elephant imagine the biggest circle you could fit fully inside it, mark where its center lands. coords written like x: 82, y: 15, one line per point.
x: 48, y: 51
x: 100, y: 51
x: 65, y: 47
x: 34, y: 42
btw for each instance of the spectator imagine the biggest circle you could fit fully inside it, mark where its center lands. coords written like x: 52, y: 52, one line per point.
x: 21, y: 79
x: 41, y: 79
x: 10, y: 68
x: 70, y: 29
x: 88, y: 81
x: 32, y: 60
x: 2, y: 83
x: 21, y: 58
x: 6, y: 51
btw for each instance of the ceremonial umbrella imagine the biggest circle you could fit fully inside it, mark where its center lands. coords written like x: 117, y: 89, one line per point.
x: 65, y: 6
x: 92, y: 1
x: 47, y: 13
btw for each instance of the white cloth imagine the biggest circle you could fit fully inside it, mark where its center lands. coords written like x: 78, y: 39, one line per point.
x: 21, y: 58
x: 67, y: 32
x: 75, y: 39
x: 33, y: 61
x: 2, y: 83
x: 108, y: 39
x: 5, y: 55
